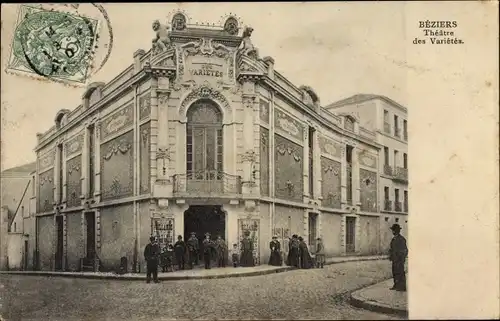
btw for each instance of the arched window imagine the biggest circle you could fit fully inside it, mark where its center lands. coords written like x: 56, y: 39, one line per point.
x: 204, y: 141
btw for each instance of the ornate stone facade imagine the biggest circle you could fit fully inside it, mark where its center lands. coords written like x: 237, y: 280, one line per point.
x: 46, y: 191
x: 117, y: 167
x: 368, y: 185
x: 289, y: 181
x: 73, y: 181
x: 145, y: 106
x: 264, y: 161
x: 330, y: 147
x: 288, y: 125
x: 331, y: 182
x: 145, y: 160
x: 75, y: 145
x: 264, y: 111
x: 117, y: 121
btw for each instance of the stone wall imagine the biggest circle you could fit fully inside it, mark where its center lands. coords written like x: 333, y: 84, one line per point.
x: 117, y: 235
x: 368, y: 195
x: 370, y: 235
x: 288, y: 168
x: 332, y: 233
x: 46, y: 191
x: 45, y: 242
x: 73, y: 181
x: 75, y: 240
x: 331, y: 183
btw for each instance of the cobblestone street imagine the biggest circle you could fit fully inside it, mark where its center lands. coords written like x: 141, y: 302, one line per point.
x: 300, y: 294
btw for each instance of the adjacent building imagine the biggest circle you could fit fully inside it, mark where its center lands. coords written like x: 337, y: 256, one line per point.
x: 389, y: 120
x: 16, y: 219
x: 200, y: 134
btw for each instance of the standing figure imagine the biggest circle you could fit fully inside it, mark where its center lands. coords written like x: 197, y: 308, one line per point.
x: 180, y: 252
x: 194, y: 249
x: 397, y: 254
x: 246, y: 258
x: 275, y: 247
x: 293, y: 251
x: 151, y: 253
x: 221, y: 251
x: 167, y: 259
x: 208, y: 248
x: 320, y: 253
x: 305, y: 256
x: 235, y: 255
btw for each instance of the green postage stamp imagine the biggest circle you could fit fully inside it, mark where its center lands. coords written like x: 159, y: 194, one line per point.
x: 53, y: 44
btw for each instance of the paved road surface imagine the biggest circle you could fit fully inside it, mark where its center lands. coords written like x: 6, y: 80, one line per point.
x: 301, y: 294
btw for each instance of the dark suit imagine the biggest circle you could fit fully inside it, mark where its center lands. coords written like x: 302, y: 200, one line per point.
x: 180, y: 253
x: 151, y: 254
x: 397, y: 254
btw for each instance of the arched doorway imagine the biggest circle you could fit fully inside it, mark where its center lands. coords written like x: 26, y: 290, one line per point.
x: 202, y: 219
x: 204, y: 141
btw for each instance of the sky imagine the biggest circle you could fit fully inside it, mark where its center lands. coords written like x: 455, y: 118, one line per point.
x: 339, y: 49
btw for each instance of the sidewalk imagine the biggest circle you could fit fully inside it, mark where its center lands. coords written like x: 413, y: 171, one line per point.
x: 196, y: 274
x: 380, y: 298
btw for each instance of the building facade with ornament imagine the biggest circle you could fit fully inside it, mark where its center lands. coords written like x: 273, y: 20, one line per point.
x: 201, y: 134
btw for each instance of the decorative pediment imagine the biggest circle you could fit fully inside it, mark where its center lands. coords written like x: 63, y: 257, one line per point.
x: 204, y: 92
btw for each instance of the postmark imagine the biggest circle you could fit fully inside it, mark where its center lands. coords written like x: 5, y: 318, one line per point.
x: 53, y: 44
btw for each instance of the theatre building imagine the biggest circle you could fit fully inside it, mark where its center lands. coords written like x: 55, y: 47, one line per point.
x: 200, y: 134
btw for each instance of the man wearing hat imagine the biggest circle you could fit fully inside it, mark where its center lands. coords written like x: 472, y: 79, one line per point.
x: 397, y: 254
x: 208, y: 248
x: 180, y: 252
x: 275, y: 247
x: 320, y: 253
x: 151, y: 253
x: 194, y: 248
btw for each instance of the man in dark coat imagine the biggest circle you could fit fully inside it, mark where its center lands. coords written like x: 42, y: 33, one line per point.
x: 193, y: 248
x: 151, y: 254
x: 246, y: 258
x: 208, y: 248
x: 293, y: 251
x: 180, y: 252
x: 397, y: 254
x: 275, y: 247
x: 222, y: 249
x: 305, y: 256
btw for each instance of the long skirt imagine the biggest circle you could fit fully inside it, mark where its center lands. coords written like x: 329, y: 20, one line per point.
x: 246, y: 258
x: 293, y: 258
x: 275, y: 258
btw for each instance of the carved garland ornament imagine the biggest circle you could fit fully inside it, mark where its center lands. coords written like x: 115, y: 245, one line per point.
x: 74, y: 167
x: 282, y: 150
x: 122, y: 146
x: 204, y: 92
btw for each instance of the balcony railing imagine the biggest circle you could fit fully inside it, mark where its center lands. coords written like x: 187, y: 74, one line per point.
x: 206, y: 182
x: 405, y: 205
x: 388, y: 169
x: 387, y: 205
x: 387, y: 128
x: 400, y: 174
x: 397, y: 207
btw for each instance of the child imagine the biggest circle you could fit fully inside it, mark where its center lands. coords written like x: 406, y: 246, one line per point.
x: 235, y: 255
x: 167, y: 258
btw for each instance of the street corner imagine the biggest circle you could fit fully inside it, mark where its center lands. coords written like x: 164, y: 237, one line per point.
x: 380, y: 298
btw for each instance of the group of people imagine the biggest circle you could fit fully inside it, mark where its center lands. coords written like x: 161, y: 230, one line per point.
x: 188, y: 254
x: 298, y: 253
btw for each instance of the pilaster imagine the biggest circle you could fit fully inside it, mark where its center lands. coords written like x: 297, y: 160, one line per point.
x: 356, y: 200
x: 317, y: 165
x: 343, y: 178
x: 97, y: 162
x: 57, y: 171
x: 154, y: 132
x: 98, y: 231
x: 64, y: 178
x: 249, y: 157
x: 305, y: 219
x: 305, y: 169
x: 65, y: 244
x: 85, y: 165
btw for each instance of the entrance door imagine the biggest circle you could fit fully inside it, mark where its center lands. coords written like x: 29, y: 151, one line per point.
x: 59, y: 243
x: 26, y: 257
x: 90, y: 226
x: 350, y: 234
x: 203, y: 219
x: 313, y: 228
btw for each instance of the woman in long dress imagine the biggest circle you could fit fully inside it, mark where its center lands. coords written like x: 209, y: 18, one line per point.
x: 293, y: 251
x: 246, y: 258
x: 305, y: 258
x: 275, y: 247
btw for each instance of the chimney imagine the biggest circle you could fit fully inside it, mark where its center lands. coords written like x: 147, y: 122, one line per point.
x: 269, y: 61
x: 137, y: 60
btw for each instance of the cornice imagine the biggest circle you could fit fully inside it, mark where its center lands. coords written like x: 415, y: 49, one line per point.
x: 116, y: 92
x: 303, y: 108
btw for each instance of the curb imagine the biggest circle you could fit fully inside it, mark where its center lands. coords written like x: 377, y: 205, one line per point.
x: 359, y: 302
x: 142, y: 277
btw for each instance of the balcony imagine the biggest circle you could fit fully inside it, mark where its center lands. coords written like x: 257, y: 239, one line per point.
x: 387, y: 128
x: 397, y: 207
x: 405, y: 204
x: 400, y: 174
x: 397, y: 132
x: 387, y: 205
x: 388, y: 170
x: 206, y: 183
